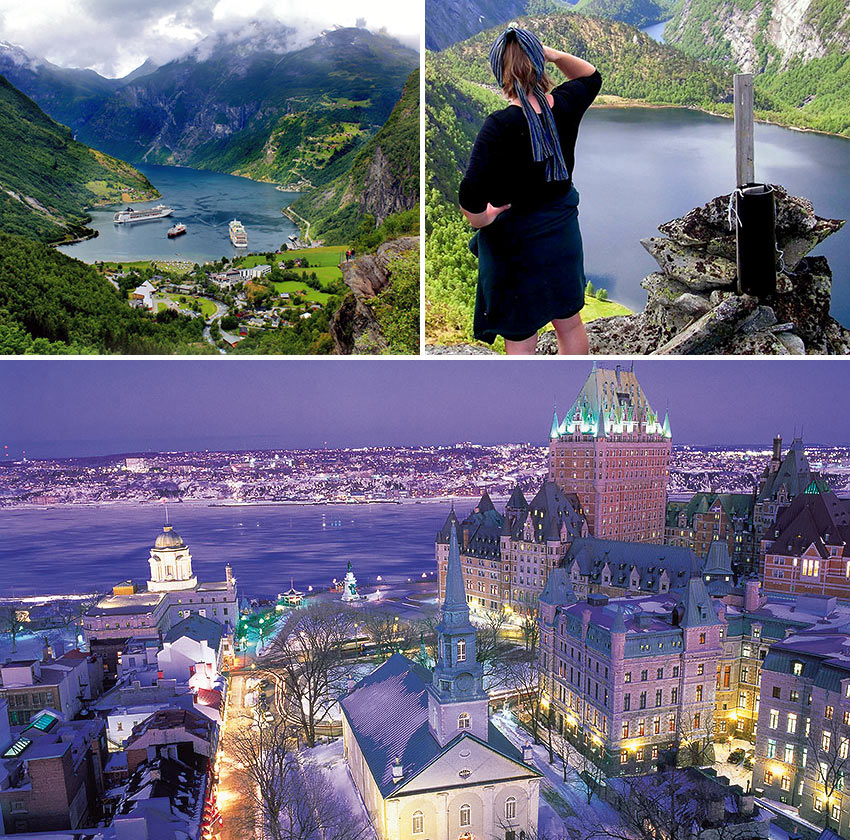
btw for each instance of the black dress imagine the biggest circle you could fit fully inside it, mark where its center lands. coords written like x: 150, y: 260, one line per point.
x: 530, y: 260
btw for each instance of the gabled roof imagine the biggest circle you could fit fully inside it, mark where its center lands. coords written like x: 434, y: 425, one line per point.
x: 398, y: 689
x: 697, y: 608
x: 196, y: 627
x: 649, y: 560
x: 558, y: 590
x: 718, y: 561
x: 818, y: 519
x: 794, y: 474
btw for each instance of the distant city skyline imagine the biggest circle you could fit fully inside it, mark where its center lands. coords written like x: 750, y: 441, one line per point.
x: 77, y: 408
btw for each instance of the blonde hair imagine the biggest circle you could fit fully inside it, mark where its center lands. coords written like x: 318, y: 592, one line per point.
x: 518, y: 72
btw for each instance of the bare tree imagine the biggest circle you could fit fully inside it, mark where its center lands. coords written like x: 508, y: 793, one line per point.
x: 530, y: 633
x: 307, y: 655
x: 522, y: 676
x: 426, y: 627
x: 673, y: 804
x: 696, y: 744
x: 828, y: 748
x: 289, y: 800
x: 10, y: 623
x: 70, y: 613
x: 387, y: 632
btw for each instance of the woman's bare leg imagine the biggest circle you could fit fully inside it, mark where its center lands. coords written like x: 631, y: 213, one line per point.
x: 572, y: 338
x: 521, y: 348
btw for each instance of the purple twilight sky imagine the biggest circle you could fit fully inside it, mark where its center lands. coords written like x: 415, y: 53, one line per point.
x: 56, y: 408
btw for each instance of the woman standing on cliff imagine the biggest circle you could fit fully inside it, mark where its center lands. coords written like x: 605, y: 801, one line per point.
x: 518, y: 192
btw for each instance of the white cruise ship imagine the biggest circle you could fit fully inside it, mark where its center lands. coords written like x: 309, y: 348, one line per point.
x: 238, y: 235
x: 148, y: 214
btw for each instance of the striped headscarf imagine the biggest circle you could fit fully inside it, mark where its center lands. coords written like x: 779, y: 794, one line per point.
x: 545, y: 144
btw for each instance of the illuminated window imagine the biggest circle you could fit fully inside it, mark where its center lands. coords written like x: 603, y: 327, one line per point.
x: 797, y: 669
x: 625, y: 729
x: 702, y: 638
x: 789, y: 754
x: 825, y: 741
x: 696, y: 720
x: 463, y: 720
x: 418, y: 822
x: 700, y: 669
x: 465, y: 815
x: 699, y: 694
x: 792, y: 723
x: 842, y: 747
x: 786, y: 783
x: 771, y: 747
x: 774, y: 719
x: 828, y: 712
x: 768, y: 777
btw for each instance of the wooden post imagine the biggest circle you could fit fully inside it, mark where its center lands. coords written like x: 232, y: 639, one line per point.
x: 744, y: 153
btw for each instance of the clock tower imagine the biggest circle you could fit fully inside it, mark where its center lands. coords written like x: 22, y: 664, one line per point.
x: 457, y: 702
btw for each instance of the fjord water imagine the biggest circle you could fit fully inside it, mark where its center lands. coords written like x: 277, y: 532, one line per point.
x: 89, y: 548
x: 639, y: 167
x: 205, y: 202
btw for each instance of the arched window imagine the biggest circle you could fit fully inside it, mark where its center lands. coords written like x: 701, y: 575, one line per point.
x: 465, y: 815
x: 418, y: 822
x: 510, y: 808
x: 463, y: 720
x: 461, y: 650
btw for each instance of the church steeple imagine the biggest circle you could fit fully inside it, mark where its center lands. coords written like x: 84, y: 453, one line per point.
x: 457, y: 702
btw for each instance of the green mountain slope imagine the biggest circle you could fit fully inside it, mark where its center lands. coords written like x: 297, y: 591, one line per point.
x: 47, y: 179
x: 252, y: 108
x: 800, y: 53
x: 50, y: 303
x: 383, y: 178
x: 633, y: 12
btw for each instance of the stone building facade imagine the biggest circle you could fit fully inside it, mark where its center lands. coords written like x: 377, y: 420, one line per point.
x: 613, y: 452
x: 706, y: 517
x: 630, y: 678
x: 804, y: 726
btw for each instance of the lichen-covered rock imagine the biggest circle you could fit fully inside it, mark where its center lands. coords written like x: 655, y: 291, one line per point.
x: 691, y: 266
x: 717, y: 325
x: 459, y: 350
x: 793, y: 343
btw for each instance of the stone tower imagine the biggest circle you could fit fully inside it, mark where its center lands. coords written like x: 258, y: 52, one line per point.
x: 456, y: 699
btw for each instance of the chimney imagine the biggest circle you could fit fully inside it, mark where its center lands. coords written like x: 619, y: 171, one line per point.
x: 752, y: 597
x: 398, y: 771
x: 777, y: 449
x: 526, y: 753
x: 45, y: 653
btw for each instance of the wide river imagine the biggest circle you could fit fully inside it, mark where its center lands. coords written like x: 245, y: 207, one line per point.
x: 205, y: 202
x: 87, y: 548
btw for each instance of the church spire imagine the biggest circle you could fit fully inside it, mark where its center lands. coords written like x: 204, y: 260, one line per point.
x: 553, y: 432
x: 455, y: 609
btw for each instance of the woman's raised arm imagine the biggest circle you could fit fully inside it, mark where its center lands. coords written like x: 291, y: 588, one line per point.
x: 570, y: 65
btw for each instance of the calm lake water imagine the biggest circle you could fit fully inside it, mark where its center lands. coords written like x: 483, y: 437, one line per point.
x: 205, y: 202
x: 656, y: 31
x: 86, y: 548
x: 639, y: 167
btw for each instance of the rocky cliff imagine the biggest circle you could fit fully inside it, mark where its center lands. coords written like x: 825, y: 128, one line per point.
x: 757, y: 34
x: 692, y: 306
x: 355, y: 327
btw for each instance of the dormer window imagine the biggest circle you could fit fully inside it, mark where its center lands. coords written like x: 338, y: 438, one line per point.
x: 463, y: 721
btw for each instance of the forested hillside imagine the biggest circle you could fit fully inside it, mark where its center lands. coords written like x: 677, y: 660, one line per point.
x: 52, y: 304
x: 47, y: 179
x: 383, y: 179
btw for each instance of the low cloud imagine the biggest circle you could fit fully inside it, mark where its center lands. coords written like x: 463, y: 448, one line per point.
x: 114, y: 38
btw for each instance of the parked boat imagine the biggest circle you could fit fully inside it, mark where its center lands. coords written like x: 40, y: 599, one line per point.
x: 148, y: 214
x: 238, y: 234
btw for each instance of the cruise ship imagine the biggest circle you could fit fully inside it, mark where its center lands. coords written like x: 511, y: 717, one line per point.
x: 238, y: 235
x: 149, y: 214
x: 177, y: 230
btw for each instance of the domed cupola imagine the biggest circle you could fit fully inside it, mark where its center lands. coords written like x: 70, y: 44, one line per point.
x: 171, y: 563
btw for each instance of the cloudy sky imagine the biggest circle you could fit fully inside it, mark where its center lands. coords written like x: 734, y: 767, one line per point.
x: 114, y: 37
x: 56, y: 408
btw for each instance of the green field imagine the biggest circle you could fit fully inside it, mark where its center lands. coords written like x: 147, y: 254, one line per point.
x: 296, y: 286
x: 323, y: 261
x: 185, y: 302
